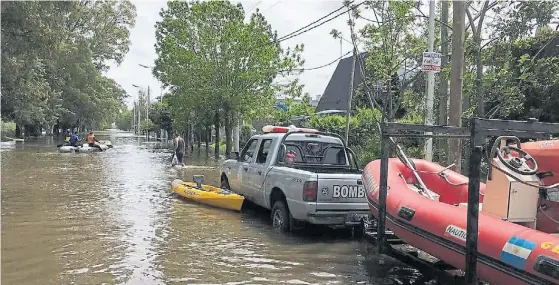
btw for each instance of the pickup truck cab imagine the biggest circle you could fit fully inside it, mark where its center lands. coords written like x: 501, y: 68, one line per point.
x: 319, y: 182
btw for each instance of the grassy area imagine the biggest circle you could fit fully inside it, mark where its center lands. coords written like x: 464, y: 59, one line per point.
x: 8, y: 130
x: 221, y: 147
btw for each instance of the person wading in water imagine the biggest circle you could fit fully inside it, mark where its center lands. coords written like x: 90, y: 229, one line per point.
x: 180, y: 148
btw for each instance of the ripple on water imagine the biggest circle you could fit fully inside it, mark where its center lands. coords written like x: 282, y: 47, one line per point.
x: 108, y: 218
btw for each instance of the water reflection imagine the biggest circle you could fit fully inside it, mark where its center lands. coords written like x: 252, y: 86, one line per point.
x: 109, y: 218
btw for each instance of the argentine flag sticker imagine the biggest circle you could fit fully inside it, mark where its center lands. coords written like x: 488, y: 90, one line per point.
x: 516, y: 251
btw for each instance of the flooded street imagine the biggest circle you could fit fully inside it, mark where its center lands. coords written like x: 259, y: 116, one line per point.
x: 109, y: 218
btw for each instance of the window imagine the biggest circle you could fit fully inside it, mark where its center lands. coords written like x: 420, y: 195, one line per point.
x: 262, y: 156
x: 314, y: 152
x: 248, y: 151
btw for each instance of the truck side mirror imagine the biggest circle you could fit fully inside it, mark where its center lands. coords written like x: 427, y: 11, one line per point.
x: 234, y: 155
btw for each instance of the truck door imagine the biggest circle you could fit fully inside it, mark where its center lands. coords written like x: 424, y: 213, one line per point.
x: 257, y: 170
x: 245, y: 159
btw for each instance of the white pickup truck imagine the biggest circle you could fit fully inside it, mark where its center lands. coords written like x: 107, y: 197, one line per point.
x: 319, y: 183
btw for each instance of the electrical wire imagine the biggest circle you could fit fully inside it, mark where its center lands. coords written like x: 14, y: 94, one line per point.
x: 317, y: 67
x: 277, y: 2
x: 316, y: 21
x: 308, y: 27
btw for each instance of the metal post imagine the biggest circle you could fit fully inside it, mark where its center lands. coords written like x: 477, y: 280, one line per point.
x: 349, y: 97
x: 473, y: 208
x: 133, y: 117
x: 139, y: 118
x: 135, y: 122
x: 430, y: 84
x: 161, y: 131
x: 147, y: 106
x: 236, y: 131
x: 383, y: 191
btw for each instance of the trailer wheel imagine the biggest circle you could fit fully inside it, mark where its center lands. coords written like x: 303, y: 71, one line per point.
x: 280, y: 217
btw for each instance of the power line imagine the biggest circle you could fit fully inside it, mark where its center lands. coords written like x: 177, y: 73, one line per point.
x: 255, y: 5
x: 317, y: 67
x: 314, y: 27
x: 316, y: 21
x: 277, y: 2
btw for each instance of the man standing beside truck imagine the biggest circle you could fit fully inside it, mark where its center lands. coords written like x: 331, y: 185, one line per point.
x: 180, y: 148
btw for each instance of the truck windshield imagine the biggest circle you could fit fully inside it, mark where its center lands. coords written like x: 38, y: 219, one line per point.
x: 316, y: 152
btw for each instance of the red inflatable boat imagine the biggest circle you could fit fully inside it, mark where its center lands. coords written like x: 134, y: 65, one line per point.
x: 546, y: 154
x: 510, y: 250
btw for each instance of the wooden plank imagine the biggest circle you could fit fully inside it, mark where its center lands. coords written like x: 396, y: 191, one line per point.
x: 421, y: 135
x: 399, y: 127
x: 486, y: 124
x: 516, y: 133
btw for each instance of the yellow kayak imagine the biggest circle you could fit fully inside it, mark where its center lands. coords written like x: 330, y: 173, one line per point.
x: 209, y: 195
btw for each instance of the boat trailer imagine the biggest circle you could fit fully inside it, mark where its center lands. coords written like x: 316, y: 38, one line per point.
x: 477, y: 133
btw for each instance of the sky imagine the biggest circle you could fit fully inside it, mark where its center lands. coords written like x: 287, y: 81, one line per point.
x: 285, y: 16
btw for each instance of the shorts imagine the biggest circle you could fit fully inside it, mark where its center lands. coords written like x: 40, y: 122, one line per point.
x: 180, y: 157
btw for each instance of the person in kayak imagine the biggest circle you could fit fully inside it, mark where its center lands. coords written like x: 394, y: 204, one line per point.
x: 180, y: 147
x: 93, y: 142
x: 74, y: 139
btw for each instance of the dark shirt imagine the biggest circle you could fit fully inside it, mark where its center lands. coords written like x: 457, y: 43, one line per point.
x: 180, y: 145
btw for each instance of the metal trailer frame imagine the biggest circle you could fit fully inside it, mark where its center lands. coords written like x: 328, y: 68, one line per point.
x: 478, y: 131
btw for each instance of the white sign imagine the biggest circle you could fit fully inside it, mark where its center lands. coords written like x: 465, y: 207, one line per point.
x: 431, y: 62
x: 456, y: 232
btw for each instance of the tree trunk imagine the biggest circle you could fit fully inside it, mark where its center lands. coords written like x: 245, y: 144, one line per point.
x: 56, y: 128
x: 18, y: 131
x: 208, y: 138
x: 443, y: 89
x: 216, y: 126
x: 191, y: 142
x: 228, y: 132
x: 456, y: 79
x: 476, y: 31
x: 199, y: 141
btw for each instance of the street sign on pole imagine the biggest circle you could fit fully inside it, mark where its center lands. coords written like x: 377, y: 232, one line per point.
x: 431, y: 62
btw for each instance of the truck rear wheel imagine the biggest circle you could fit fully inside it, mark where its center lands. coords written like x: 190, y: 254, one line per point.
x: 280, y: 217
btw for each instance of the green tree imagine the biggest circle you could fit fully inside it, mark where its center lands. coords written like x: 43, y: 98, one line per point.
x: 159, y: 114
x: 53, y: 53
x: 222, y: 67
x: 124, y: 119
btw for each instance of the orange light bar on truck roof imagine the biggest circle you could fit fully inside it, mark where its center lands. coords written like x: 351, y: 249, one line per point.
x: 277, y: 129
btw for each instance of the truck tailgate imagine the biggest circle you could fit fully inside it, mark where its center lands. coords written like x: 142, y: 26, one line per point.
x: 341, y: 192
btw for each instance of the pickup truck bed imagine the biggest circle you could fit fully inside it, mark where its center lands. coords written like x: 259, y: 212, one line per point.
x: 321, y: 186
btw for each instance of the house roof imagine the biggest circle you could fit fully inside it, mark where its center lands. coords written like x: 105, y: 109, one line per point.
x: 335, y: 96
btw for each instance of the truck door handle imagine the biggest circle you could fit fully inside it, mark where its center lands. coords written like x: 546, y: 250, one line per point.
x: 259, y: 172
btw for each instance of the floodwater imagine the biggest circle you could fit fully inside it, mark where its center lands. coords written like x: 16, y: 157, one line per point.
x: 109, y: 218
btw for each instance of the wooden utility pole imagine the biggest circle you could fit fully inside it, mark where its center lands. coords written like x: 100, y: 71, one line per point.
x: 456, y: 78
x: 430, y: 83
x: 443, y: 90
x: 350, y: 95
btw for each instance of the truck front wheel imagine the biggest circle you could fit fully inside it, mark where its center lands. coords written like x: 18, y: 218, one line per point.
x: 280, y: 217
